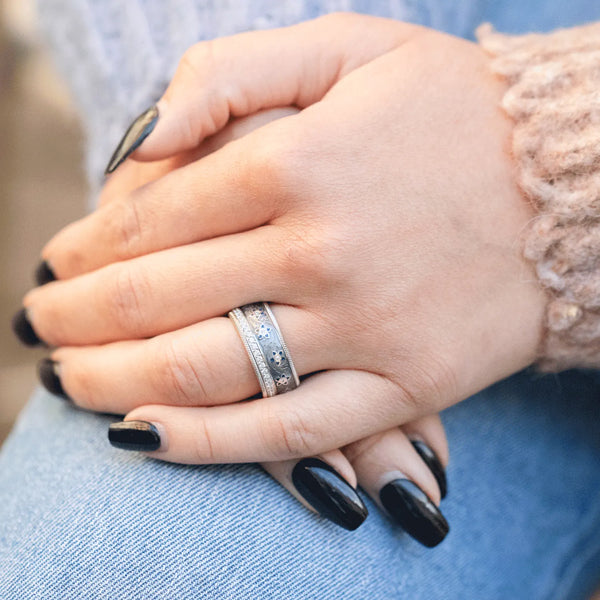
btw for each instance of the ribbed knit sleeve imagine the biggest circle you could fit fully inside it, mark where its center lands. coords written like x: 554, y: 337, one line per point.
x: 554, y: 100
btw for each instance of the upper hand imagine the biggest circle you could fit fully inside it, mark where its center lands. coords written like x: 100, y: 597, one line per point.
x: 382, y: 221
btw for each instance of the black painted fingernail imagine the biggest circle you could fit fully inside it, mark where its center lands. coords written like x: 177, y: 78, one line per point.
x: 44, y: 273
x: 430, y: 458
x: 411, y: 508
x: 23, y: 329
x: 329, y: 493
x: 50, y: 378
x: 134, y: 435
x: 138, y: 131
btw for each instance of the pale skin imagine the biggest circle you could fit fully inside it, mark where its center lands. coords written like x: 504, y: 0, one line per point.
x: 372, y: 461
x: 383, y: 223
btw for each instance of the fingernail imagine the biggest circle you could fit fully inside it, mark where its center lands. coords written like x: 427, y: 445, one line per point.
x: 134, y: 435
x: 431, y: 459
x: 329, y: 493
x: 48, y: 372
x: 23, y: 329
x: 44, y: 273
x: 138, y: 131
x: 411, y: 508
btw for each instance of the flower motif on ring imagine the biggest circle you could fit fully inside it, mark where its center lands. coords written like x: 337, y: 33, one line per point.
x: 282, y: 379
x: 277, y: 357
x: 258, y: 313
x: 263, y: 332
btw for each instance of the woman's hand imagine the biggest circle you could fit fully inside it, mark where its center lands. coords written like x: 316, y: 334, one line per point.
x: 402, y: 469
x: 382, y: 222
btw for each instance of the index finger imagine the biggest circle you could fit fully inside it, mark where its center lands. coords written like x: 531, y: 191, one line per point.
x: 148, y: 207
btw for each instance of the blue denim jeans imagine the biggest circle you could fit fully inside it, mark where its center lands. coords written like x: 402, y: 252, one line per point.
x: 80, y: 519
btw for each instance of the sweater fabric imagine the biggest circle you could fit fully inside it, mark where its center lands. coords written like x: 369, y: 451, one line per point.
x: 554, y: 100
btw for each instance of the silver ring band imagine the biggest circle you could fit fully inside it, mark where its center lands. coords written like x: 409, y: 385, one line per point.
x: 266, y: 348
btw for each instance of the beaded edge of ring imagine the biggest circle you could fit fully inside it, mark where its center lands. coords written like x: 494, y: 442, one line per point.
x: 267, y: 383
x: 283, y: 344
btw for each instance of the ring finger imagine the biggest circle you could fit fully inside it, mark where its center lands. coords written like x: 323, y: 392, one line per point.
x: 200, y: 365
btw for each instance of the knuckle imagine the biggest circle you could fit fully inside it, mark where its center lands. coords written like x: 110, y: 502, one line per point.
x: 124, y: 219
x: 74, y: 258
x: 427, y: 385
x: 205, y: 445
x: 50, y: 322
x: 354, y: 23
x: 439, y: 381
x: 306, y: 257
x: 198, y: 68
x: 339, y: 17
x: 285, y: 434
x: 313, y: 255
x: 408, y: 396
x: 130, y: 288
x: 87, y: 391
x: 358, y: 451
x: 198, y: 60
x: 274, y: 170
x: 179, y: 378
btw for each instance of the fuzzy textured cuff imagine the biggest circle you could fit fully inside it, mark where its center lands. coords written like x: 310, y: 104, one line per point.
x: 554, y: 100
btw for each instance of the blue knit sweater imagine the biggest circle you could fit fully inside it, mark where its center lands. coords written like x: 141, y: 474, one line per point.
x: 117, y: 56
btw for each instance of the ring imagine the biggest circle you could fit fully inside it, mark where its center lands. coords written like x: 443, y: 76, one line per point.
x: 264, y: 343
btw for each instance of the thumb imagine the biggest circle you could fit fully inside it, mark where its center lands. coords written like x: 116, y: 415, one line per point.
x: 242, y: 74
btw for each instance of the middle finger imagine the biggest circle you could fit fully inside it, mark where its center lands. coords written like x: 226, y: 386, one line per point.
x: 225, y: 192
x: 166, y: 290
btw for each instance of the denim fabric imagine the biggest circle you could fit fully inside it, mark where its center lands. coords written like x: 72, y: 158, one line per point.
x: 80, y: 519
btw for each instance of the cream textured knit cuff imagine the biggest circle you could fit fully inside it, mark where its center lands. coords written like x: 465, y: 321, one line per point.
x: 554, y: 100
